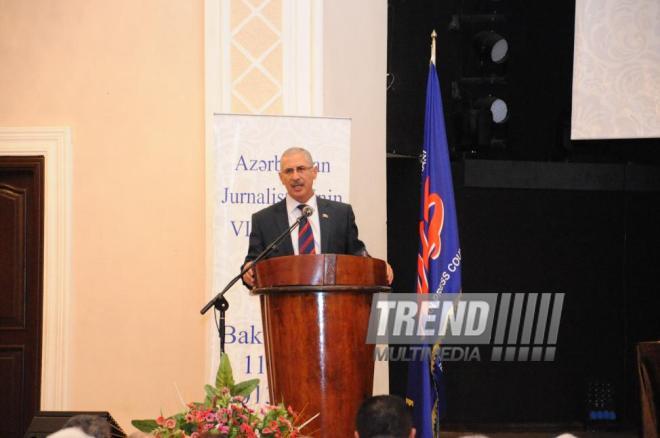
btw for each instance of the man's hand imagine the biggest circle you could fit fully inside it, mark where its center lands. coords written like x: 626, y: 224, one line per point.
x: 248, y: 277
x: 390, y: 274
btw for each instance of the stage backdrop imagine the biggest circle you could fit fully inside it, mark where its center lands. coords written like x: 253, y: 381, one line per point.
x: 616, y: 69
x: 245, y: 179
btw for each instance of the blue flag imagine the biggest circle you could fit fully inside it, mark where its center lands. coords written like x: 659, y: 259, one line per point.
x: 439, y: 257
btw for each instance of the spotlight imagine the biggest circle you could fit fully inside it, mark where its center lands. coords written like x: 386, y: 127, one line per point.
x: 492, y: 44
x: 484, y: 124
x: 499, y: 111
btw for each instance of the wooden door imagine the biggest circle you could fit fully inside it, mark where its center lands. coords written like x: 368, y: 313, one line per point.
x: 21, y: 290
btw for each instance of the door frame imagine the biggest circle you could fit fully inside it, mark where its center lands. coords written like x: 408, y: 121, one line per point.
x: 54, y: 144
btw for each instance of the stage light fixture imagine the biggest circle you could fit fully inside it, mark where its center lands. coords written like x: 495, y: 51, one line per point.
x: 492, y: 45
x: 484, y: 125
x: 499, y: 111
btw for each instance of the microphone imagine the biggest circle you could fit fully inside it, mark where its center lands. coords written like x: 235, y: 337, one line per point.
x: 307, y: 211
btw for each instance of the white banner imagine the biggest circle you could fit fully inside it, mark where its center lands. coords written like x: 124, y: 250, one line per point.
x: 246, y: 154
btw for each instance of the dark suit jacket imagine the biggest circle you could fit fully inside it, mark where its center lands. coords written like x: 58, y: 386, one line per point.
x: 339, y: 233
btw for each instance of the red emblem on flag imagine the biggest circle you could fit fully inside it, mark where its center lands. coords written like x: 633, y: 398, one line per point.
x: 430, y: 228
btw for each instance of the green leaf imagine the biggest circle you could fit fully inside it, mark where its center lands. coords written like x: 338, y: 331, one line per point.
x: 245, y: 388
x: 189, y: 428
x: 225, y: 377
x: 210, y: 392
x: 145, y: 425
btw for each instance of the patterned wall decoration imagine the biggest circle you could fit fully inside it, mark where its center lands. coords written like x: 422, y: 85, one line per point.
x: 256, y: 56
x: 616, y: 72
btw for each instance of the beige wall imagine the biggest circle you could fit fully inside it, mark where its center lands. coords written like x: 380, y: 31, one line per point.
x: 355, y: 65
x: 127, y: 77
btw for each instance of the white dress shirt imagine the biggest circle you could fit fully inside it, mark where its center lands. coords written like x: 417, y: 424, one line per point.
x: 294, y: 213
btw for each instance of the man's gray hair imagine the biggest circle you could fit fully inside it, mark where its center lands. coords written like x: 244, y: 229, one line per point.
x: 298, y: 150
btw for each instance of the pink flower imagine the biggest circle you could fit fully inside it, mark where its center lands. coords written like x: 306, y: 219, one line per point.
x: 160, y: 421
x: 170, y: 423
x: 223, y: 428
x: 195, y: 435
x: 189, y: 418
x: 211, y: 417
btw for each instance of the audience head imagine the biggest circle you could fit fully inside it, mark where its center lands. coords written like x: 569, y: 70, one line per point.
x: 91, y: 425
x: 384, y: 416
x: 69, y: 432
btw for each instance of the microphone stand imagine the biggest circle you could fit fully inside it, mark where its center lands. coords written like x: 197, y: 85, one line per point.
x: 219, y: 301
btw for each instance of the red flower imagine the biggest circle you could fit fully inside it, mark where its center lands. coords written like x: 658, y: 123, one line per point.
x: 160, y: 421
x: 247, y: 431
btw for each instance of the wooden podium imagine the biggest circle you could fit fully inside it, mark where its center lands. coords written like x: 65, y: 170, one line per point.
x: 315, y: 314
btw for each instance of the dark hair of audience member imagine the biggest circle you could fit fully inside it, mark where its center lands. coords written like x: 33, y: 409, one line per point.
x: 383, y: 416
x: 92, y: 425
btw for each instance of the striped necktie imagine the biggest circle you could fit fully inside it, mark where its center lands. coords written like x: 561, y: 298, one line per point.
x: 305, y: 235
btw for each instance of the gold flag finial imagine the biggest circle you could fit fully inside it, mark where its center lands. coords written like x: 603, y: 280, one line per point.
x: 433, y: 35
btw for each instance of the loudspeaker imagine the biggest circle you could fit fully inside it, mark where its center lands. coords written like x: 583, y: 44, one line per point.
x: 44, y: 423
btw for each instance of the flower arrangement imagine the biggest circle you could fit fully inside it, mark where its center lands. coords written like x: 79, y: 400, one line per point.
x: 225, y: 414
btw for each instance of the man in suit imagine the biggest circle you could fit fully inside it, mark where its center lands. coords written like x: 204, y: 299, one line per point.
x: 330, y: 229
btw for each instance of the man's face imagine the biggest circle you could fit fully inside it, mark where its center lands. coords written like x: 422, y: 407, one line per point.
x: 298, y: 175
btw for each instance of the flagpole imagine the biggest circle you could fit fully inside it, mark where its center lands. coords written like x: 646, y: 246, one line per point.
x: 433, y: 35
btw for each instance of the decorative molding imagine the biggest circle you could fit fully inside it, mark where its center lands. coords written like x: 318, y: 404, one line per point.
x: 54, y: 144
x: 217, y: 62
x: 302, y: 46
x: 217, y: 100
x: 299, y: 84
